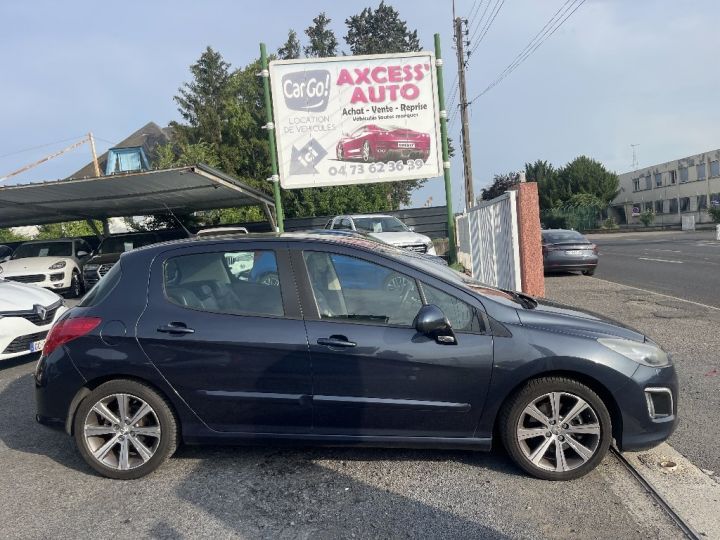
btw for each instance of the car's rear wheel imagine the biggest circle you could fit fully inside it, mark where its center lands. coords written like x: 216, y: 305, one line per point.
x: 556, y: 428
x: 124, y: 429
x: 589, y: 272
x: 340, y: 152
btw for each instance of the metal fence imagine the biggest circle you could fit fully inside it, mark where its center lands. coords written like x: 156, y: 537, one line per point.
x: 488, y: 243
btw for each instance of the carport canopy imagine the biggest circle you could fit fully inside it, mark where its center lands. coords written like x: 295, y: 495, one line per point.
x: 180, y: 189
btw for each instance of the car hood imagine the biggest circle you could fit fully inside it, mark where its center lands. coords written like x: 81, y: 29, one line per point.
x: 104, y: 258
x: 31, y: 265
x: 562, y: 318
x: 401, y: 238
x: 20, y: 297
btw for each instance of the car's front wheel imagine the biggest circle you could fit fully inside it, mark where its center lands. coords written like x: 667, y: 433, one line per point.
x: 556, y: 428
x: 124, y: 429
x: 76, y: 286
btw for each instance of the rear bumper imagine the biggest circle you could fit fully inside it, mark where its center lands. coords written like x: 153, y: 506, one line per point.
x: 640, y: 430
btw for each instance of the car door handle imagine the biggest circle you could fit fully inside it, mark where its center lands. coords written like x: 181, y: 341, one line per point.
x: 336, y: 341
x: 175, y: 328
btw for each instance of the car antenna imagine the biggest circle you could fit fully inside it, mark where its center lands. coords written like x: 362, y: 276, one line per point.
x: 190, y: 235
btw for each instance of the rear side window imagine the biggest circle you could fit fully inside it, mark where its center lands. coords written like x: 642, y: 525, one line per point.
x: 463, y: 317
x: 232, y: 282
x: 103, y: 287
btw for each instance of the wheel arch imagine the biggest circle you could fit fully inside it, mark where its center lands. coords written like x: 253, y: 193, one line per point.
x: 92, y: 384
x: 594, y: 384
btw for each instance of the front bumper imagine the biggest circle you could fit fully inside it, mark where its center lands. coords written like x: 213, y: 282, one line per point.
x: 55, y: 280
x: 639, y: 429
x: 16, y: 334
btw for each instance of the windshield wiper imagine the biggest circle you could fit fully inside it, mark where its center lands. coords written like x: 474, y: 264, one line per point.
x: 526, y: 301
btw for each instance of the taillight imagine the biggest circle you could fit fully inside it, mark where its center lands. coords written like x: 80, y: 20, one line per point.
x: 67, y: 330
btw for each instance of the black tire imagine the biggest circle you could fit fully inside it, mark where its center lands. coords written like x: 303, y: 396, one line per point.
x: 510, y: 417
x: 169, y: 434
x: 590, y: 272
x: 76, y: 286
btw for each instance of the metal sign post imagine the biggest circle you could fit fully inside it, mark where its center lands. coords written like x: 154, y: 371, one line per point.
x: 275, y: 179
x: 452, y: 252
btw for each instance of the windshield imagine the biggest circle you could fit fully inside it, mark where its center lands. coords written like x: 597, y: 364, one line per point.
x: 120, y: 244
x: 43, y: 249
x: 563, y: 237
x: 379, y: 224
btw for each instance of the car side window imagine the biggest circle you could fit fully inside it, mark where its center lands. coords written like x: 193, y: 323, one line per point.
x: 351, y: 289
x: 344, y: 224
x: 236, y: 282
x: 462, y: 316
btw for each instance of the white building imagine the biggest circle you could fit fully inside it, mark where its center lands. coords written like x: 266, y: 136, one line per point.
x: 683, y: 186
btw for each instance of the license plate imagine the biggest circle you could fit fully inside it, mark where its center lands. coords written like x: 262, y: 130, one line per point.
x: 406, y: 145
x: 575, y: 252
x: 37, y: 346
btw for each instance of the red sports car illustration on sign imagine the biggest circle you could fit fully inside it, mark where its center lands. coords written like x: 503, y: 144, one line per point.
x: 375, y: 143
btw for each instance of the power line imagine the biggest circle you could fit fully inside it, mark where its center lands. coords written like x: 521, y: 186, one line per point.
x: 491, y: 19
x: 471, y: 17
x: 40, y: 146
x: 480, y: 23
x: 541, y: 37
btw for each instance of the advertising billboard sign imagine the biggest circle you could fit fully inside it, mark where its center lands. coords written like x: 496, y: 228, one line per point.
x: 356, y: 119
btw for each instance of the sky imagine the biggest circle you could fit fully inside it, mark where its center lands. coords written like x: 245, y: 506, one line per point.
x: 618, y: 72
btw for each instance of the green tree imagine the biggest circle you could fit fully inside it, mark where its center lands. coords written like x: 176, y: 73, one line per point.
x: 647, y: 217
x: 586, y: 175
x: 66, y: 229
x: 291, y: 49
x: 501, y: 184
x: 380, y: 31
x: 323, y: 42
x: 8, y: 235
x: 546, y: 177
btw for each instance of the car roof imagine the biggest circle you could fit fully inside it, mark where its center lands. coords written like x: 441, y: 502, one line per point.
x: 367, y: 215
x: 52, y: 240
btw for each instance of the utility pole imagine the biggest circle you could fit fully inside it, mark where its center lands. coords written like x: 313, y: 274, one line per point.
x: 463, y: 104
x: 96, y: 165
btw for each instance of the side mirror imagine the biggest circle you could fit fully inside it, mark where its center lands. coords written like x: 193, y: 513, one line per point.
x: 431, y: 321
x: 6, y: 258
x: 411, y: 229
x: 82, y: 254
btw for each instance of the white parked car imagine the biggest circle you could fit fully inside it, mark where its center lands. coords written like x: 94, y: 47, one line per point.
x: 389, y: 229
x: 53, y: 264
x: 26, y: 315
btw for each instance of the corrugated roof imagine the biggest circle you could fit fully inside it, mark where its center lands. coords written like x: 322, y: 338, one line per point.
x: 182, y: 189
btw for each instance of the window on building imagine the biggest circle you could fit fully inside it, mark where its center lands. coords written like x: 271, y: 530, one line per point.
x: 715, y: 199
x: 659, y: 207
x: 648, y: 182
x: 126, y: 160
x: 700, y: 170
x: 672, y: 206
x: 715, y: 168
x: 648, y: 207
x: 683, y: 174
x: 702, y: 202
x: 636, y: 184
x: 673, y: 177
x: 684, y: 204
x: 658, y: 179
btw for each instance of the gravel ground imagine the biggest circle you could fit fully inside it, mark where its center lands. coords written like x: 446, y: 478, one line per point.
x: 48, y: 492
x: 688, y: 331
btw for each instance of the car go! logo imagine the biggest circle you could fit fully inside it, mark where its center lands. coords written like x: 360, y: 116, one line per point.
x: 307, y: 90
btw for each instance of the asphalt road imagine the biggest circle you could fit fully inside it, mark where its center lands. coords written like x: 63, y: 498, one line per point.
x: 681, y: 264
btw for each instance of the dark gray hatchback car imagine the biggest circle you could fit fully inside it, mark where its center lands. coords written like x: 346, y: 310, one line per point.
x: 354, y: 343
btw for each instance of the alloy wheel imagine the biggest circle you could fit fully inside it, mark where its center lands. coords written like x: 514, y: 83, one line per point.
x: 122, y: 432
x: 366, y: 151
x: 558, y: 432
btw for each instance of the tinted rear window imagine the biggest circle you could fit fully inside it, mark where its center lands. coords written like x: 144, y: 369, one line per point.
x: 562, y: 237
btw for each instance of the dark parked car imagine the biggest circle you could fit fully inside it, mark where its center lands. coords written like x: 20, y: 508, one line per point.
x: 568, y: 251
x: 5, y: 253
x: 109, y: 251
x: 174, y: 346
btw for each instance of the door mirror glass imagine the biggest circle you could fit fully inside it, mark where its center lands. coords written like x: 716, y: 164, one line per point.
x: 82, y: 254
x: 431, y: 321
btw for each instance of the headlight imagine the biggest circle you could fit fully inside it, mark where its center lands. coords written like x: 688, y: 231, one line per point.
x: 642, y: 353
x: 58, y: 265
x: 91, y: 267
